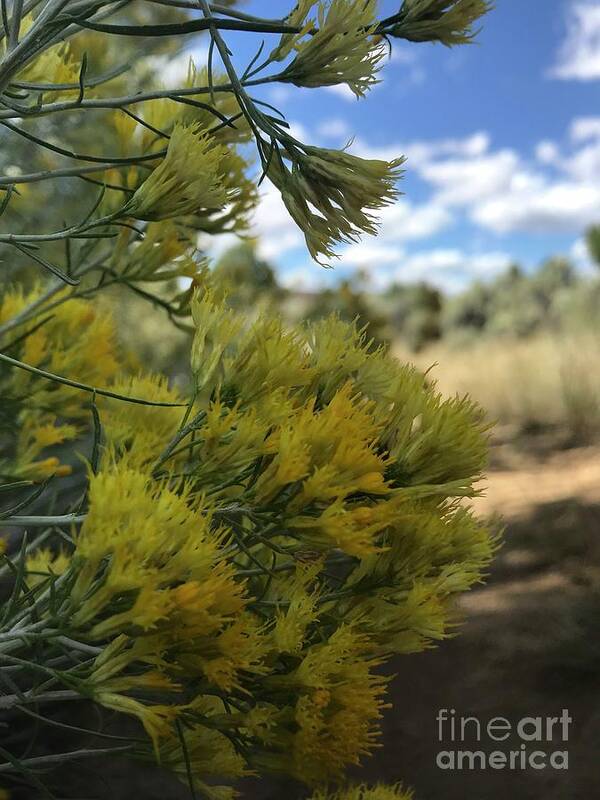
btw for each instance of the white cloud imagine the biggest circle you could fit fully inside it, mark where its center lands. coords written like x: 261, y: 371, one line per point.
x: 310, y: 278
x: 584, y: 164
x: 400, y: 223
x: 299, y: 131
x: 173, y: 69
x: 579, y: 55
x: 279, y: 95
x: 342, y: 90
x: 469, y: 182
x: 421, y: 153
x: 277, y: 232
x: 402, y: 54
x: 463, y: 181
x: 334, y: 128
x: 561, y: 207
x: 584, y: 128
x: 403, y: 221
x: 503, y: 193
x: 408, y: 60
x: 371, y: 254
x: 547, y: 152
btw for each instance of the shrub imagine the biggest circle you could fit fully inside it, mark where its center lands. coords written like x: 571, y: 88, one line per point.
x: 228, y: 567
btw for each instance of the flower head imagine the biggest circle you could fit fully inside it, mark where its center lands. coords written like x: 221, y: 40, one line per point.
x: 331, y: 194
x: 188, y: 180
x: 447, y: 21
x: 341, y: 48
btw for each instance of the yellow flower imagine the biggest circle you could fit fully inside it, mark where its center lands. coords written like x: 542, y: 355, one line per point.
x: 162, y: 254
x: 50, y: 434
x: 352, y: 528
x: 208, y: 753
x: 330, y: 450
x: 239, y: 649
x: 53, y: 65
x: 158, y: 720
x: 188, y: 180
x: 340, y: 701
x: 342, y: 50
x: 447, y: 21
x: 297, y: 18
x: 153, y: 537
x: 362, y: 792
x: 40, y: 470
x: 138, y: 430
x: 331, y: 194
x: 216, y: 328
x: 45, y: 561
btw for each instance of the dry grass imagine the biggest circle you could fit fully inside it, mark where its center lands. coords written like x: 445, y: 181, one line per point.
x: 546, y: 382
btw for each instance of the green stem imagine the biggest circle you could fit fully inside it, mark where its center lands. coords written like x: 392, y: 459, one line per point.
x: 60, y: 696
x: 83, y: 386
x: 59, y: 758
x: 42, y: 522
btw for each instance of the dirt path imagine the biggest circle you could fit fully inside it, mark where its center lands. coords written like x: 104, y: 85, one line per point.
x: 527, y: 483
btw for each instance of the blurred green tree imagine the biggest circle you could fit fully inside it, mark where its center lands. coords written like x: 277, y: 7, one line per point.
x: 592, y: 240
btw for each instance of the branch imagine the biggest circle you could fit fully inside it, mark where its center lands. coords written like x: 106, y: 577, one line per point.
x: 42, y: 522
x: 83, y: 386
x: 182, y: 28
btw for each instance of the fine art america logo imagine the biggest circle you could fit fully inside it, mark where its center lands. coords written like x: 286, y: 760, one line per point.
x: 535, y: 742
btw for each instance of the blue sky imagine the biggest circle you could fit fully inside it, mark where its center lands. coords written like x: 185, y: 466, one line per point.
x: 502, y: 140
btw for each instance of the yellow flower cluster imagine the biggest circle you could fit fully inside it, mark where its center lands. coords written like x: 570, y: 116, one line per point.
x: 203, y: 175
x: 331, y: 194
x: 162, y: 254
x: 188, y: 180
x: 246, y: 567
x: 379, y: 792
x: 55, y: 65
x: 338, y: 47
x: 75, y: 340
x: 447, y: 21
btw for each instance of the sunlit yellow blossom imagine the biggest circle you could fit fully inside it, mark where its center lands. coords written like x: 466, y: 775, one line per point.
x: 239, y: 649
x: 164, y: 253
x: 209, y: 753
x: 216, y: 328
x: 54, y: 65
x: 301, y: 610
x: 142, y: 431
x: 335, y: 717
x: 296, y: 18
x: 51, y: 434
